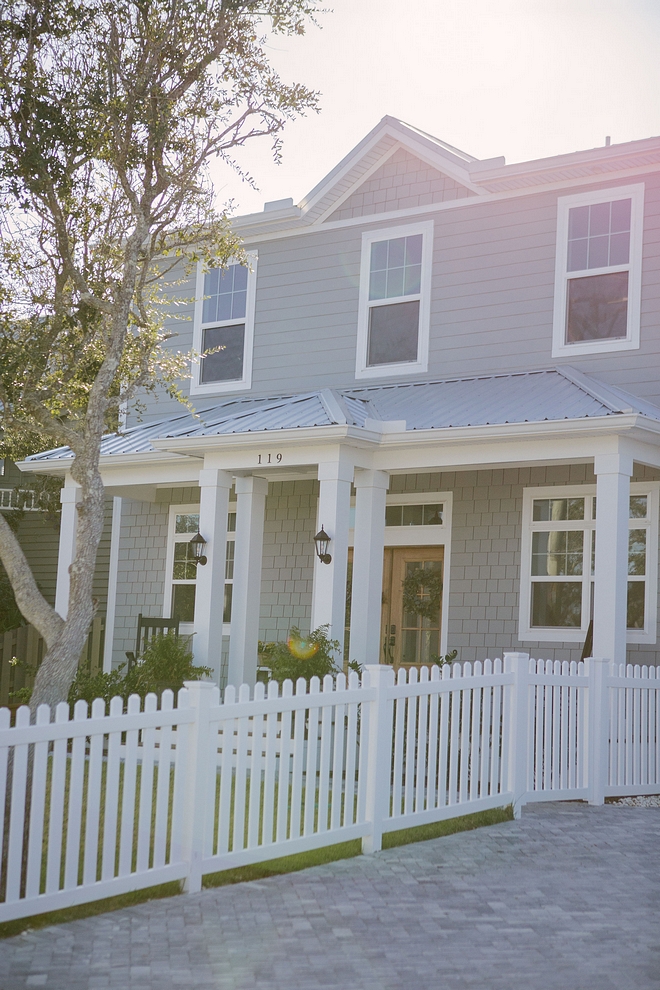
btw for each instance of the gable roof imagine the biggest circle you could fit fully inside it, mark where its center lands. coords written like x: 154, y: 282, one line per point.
x: 479, y: 177
x: 526, y: 397
x: 358, y: 165
x: 388, y: 134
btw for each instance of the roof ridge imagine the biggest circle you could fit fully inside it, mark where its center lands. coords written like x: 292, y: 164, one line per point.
x: 598, y: 390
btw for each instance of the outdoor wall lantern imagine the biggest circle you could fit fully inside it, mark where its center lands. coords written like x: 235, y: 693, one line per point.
x: 321, y: 540
x: 198, y: 543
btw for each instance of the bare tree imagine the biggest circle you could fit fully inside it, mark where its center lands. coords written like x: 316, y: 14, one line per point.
x: 110, y: 112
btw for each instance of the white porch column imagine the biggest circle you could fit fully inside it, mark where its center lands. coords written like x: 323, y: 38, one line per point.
x: 250, y: 511
x: 613, y: 473
x: 367, y: 589
x: 70, y: 496
x: 210, y: 593
x: 329, y: 597
x: 111, y: 607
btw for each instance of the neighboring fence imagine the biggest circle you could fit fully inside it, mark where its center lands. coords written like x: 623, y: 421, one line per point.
x: 19, y: 498
x: 104, y: 804
x: 25, y: 644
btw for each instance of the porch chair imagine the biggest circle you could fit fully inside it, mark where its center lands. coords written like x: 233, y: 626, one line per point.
x: 148, y: 629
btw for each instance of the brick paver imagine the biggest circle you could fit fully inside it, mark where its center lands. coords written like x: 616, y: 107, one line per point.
x: 568, y: 898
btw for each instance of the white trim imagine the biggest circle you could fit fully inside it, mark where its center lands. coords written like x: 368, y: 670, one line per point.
x: 245, y: 382
x: 191, y: 508
x: 354, y: 186
x: 435, y: 157
x: 113, y: 572
x: 186, y: 628
x: 412, y: 212
x: 527, y: 633
x: 362, y: 370
x: 564, y: 203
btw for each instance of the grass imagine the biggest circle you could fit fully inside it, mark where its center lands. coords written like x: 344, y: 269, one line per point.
x: 260, y: 871
x: 89, y: 910
x: 465, y: 823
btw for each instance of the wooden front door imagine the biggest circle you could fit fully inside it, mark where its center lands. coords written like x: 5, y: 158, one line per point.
x: 412, y: 605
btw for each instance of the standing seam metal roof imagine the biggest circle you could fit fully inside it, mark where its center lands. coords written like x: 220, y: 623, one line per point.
x: 525, y: 397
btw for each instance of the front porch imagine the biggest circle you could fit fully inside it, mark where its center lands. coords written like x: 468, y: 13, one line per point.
x: 501, y: 505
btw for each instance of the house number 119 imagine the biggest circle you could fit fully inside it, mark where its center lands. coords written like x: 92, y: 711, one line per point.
x: 269, y: 458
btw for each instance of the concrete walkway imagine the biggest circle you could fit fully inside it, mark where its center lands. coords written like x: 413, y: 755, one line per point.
x: 568, y: 898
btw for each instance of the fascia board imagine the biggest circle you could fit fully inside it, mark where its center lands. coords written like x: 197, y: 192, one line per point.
x: 575, y: 158
x: 461, y: 157
x: 603, y: 180
x: 266, y: 217
x: 146, y: 460
x: 612, y: 425
x: 293, y: 437
x: 423, y: 150
x: 58, y: 466
x: 453, y: 435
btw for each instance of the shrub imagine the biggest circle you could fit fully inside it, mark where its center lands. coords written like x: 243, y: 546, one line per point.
x: 166, y: 663
x: 307, y: 656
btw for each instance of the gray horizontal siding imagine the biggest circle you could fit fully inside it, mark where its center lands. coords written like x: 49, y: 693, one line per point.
x: 39, y: 538
x: 492, y: 300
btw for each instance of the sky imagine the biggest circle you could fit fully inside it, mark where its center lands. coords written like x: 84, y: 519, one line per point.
x: 519, y: 78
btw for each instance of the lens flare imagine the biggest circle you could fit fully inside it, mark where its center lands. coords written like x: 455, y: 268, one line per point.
x: 302, y: 648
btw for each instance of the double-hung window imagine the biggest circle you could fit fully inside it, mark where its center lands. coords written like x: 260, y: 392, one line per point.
x: 394, y: 307
x: 598, y: 271
x: 224, y: 327
x: 180, y: 587
x: 558, y: 563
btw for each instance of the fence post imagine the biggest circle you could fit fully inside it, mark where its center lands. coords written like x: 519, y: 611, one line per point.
x: 598, y: 728
x: 517, y: 726
x: 379, y: 753
x: 196, y: 785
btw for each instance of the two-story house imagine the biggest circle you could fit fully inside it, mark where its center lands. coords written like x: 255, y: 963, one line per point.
x: 452, y: 367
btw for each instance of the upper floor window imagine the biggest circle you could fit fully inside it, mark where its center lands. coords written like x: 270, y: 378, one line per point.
x: 224, y: 328
x: 394, y: 309
x: 598, y: 271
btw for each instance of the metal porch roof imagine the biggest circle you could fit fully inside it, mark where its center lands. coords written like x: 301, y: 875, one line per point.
x: 526, y: 397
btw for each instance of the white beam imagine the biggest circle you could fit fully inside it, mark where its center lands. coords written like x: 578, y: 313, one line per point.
x: 367, y: 587
x: 70, y: 497
x: 613, y: 473
x: 209, y: 596
x: 246, y: 598
x: 113, y: 571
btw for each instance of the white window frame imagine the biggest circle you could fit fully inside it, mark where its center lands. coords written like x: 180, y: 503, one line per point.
x: 536, y: 634
x: 405, y: 367
x: 634, y: 268
x: 186, y: 628
x: 245, y: 382
x: 423, y: 536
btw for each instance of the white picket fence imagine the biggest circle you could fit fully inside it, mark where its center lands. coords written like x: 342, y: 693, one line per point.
x: 103, y: 803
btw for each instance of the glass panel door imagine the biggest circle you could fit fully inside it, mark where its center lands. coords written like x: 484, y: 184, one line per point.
x: 412, y: 605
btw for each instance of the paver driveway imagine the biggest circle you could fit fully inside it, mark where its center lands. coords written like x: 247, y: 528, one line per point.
x: 568, y: 898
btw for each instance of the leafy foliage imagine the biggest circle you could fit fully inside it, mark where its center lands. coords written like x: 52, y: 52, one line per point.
x: 309, y: 656
x: 422, y: 593
x: 110, y: 114
x: 441, y: 661
x: 166, y: 663
x: 10, y: 615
